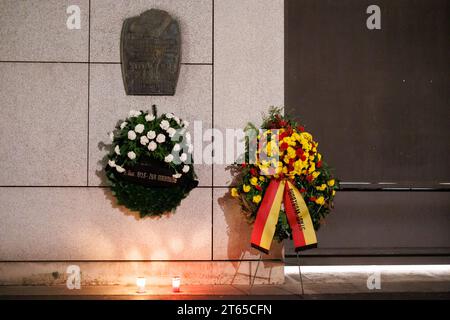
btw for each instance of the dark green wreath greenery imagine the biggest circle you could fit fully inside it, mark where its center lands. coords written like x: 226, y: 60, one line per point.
x: 150, y: 200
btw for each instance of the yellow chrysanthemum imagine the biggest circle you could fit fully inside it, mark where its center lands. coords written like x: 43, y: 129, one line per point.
x: 234, y: 192
x: 331, y: 182
x: 306, y: 135
x: 254, y: 181
x: 333, y: 193
x: 291, y: 153
x: 321, y: 187
x: 246, y: 188
x: 261, y: 178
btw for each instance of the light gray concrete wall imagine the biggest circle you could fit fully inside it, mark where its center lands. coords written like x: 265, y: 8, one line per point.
x: 61, y: 93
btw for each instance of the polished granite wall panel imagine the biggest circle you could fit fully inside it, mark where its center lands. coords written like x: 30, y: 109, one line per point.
x: 388, y: 220
x: 385, y: 224
x: 36, y: 30
x: 87, y: 224
x: 43, y: 126
x: 194, y: 17
x: 249, y: 68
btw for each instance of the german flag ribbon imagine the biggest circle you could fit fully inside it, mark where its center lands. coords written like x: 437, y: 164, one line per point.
x: 278, y: 192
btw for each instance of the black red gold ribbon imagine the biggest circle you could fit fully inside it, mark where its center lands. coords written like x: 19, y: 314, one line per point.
x: 278, y: 192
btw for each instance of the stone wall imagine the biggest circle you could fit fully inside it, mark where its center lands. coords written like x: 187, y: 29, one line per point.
x: 61, y: 91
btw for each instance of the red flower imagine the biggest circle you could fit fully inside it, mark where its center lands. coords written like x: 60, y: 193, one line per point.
x: 303, y: 157
x: 289, y: 130
x: 309, y: 178
x: 300, y: 128
x: 283, y: 135
x: 284, y: 146
x: 299, y: 152
x: 258, y: 187
x: 253, y: 172
x: 282, y: 123
x: 313, y: 198
x: 302, y: 190
x: 243, y: 165
x: 319, y: 164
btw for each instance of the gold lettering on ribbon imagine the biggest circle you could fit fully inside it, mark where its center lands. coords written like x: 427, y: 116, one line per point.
x: 297, y: 209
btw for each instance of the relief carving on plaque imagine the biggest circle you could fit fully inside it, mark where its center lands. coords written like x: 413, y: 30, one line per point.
x: 150, y: 53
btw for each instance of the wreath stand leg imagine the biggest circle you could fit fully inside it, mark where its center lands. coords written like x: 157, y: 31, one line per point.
x: 300, y: 274
x: 237, y: 268
x: 256, y: 272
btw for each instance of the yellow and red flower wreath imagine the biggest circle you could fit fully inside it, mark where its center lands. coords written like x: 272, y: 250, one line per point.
x: 287, y: 169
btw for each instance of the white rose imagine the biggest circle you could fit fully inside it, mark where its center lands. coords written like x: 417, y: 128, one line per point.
x: 188, y: 137
x: 176, y: 147
x: 123, y: 125
x: 120, y: 169
x: 111, y: 136
x: 111, y: 163
x: 169, y: 115
x: 144, y: 140
x: 152, y: 146
x: 160, y: 138
x: 171, y: 132
x: 186, y: 168
x: 168, y: 158
x: 139, y: 128
x: 117, y: 150
x: 177, y: 120
x: 176, y: 175
x: 183, y: 157
x: 185, y: 123
x: 164, y: 125
x: 190, y: 148
x: 149, y: 117
x: 131, y: 155
x: 134, y: 113
x: 151, y: 134
x: 131, y: 135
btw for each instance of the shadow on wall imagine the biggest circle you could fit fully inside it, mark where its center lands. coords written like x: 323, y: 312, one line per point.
x: 106, y: 148
x: 238, y: 246
x: 239, y: 233
x: 239, y: 230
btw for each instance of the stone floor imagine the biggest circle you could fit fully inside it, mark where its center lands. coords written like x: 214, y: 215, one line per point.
x: 402, y: 282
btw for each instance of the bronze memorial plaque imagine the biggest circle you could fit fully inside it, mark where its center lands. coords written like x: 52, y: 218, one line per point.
x: 150, y: 53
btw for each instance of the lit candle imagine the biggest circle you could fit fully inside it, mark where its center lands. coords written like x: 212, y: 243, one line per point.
x: 176, y: 284
x: 140, y: 282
